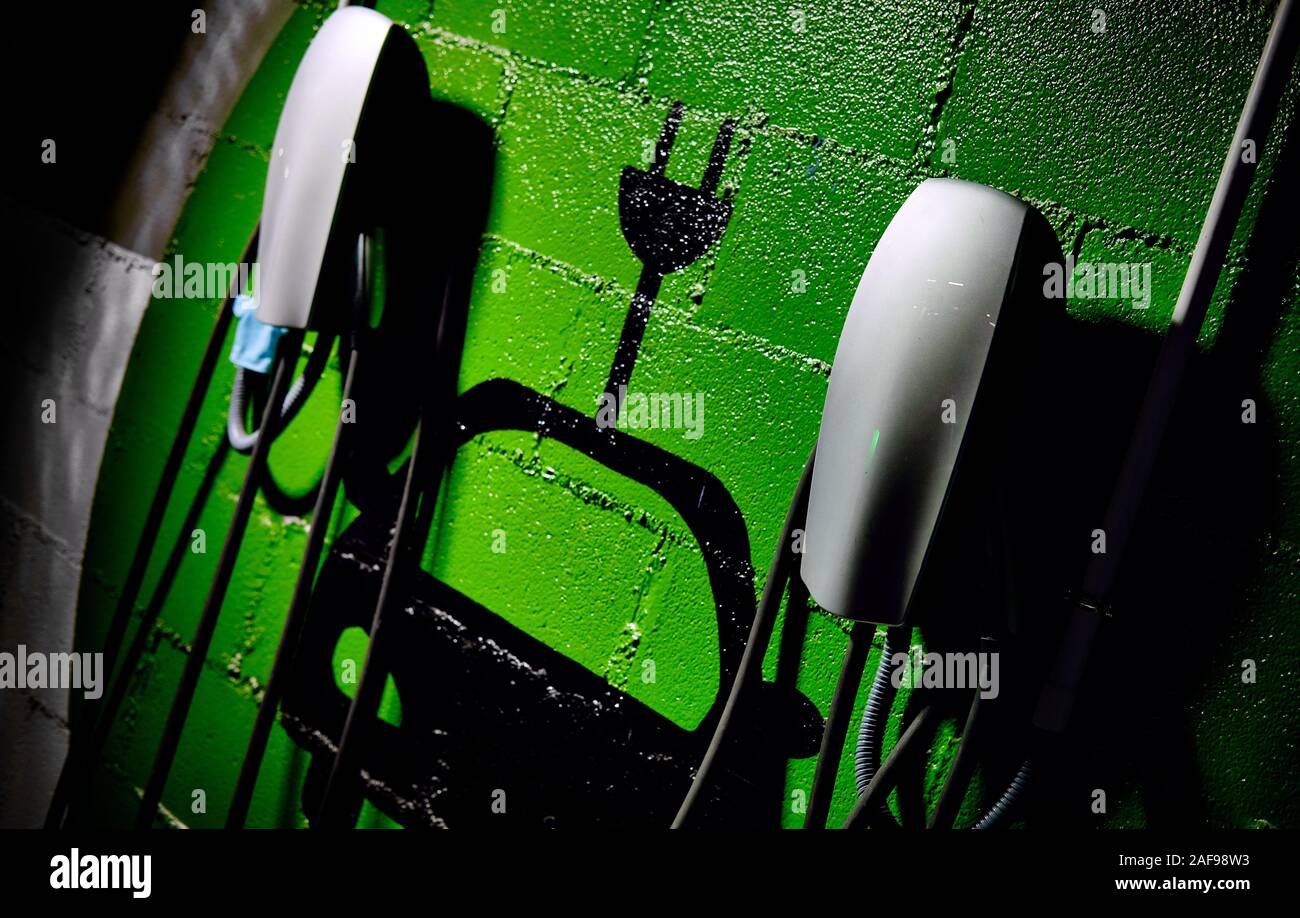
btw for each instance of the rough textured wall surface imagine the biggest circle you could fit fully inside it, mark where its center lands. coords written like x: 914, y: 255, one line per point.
x: 93, y: 293
x: 841, y: 109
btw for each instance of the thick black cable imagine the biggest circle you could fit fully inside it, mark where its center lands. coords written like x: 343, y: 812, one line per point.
x: 959, y: 773
x: 760, y: 636
x: 338, y: 802
x: 286, y: 356
x: 1194, y: 297
x: 430, y: 458
x: 75, y: 763
x: 1062, y: 686
x: 296, y: 619
x: 837, y: 724
x: 909, y: 748
x: 80, y: 781
x: 962, y: 769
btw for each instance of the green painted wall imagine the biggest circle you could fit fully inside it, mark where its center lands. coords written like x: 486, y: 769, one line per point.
x: 1116, y: 136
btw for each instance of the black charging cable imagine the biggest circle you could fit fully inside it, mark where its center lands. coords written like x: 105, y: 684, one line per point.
x: 908, y: 751
x: 1089, y: 607
x: 962, y: 768
x: 881, y: 699
x: 296, y: 619
x: 342, y: 797
x: 286, y: 355
x: 837, y: 724
x: 760, y: 636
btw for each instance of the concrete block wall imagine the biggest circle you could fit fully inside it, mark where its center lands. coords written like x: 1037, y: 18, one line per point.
x: 1116, y: 135
x: 92, y: 294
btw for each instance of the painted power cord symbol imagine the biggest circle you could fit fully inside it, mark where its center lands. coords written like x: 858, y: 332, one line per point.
x: 430, y: 769
x: 668, y: 226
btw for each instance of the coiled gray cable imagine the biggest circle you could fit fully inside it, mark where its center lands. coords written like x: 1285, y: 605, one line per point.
x: 242, y: 440
x: 1000, y: 811
x: 874, y: 716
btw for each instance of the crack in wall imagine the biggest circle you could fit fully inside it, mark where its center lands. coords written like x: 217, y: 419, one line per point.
x: 1085, y: 226
x: 590, y: 494
x: 926, y: 143
x: 667, y: 312
x: 644, y: 61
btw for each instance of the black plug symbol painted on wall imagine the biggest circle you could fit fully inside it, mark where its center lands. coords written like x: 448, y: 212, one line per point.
x: 668, y: 226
